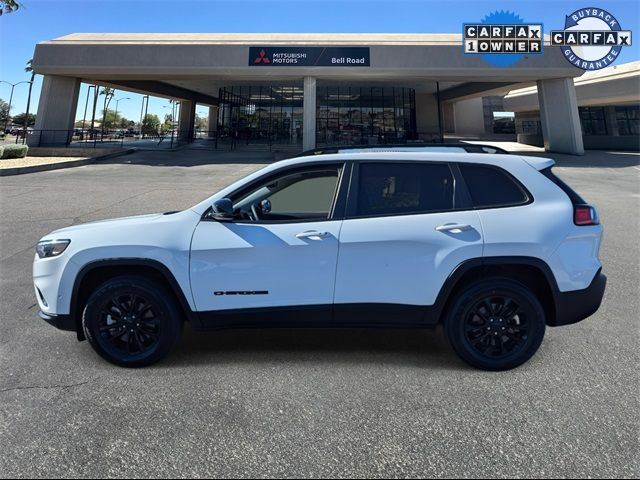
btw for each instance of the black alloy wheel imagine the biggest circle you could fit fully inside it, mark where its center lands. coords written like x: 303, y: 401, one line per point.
x: 495, y: 324
x: 131, y: 321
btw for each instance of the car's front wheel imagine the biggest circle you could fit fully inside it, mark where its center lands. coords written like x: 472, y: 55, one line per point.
x: 495, y: 324
x: 131, y: 321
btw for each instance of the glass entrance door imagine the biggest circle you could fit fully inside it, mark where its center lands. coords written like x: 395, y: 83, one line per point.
x: 365, y: 115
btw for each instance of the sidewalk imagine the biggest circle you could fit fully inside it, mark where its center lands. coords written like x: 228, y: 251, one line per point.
x: 18, y: 166
x: 590, y: 159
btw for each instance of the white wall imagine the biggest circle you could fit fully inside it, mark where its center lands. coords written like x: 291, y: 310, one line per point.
x: 469, y: 117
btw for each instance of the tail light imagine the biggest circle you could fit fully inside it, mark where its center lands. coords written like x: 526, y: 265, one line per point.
x: 585, y: 215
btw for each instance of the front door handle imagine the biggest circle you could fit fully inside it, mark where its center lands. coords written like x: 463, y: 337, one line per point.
x: 453, y: 227
x: 312, y: 234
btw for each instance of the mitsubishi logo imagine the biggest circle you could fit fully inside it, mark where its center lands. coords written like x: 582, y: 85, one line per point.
x: 262, y: 58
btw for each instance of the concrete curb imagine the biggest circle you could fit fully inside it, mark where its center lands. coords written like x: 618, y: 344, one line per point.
x: 5, y: 172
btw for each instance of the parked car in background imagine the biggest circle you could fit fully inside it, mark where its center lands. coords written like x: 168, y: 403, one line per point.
x: 21, y: 133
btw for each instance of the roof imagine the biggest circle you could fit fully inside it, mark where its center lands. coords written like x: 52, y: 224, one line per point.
x: 614, y: 72
x: 439, y: 156
x: 263, y: 38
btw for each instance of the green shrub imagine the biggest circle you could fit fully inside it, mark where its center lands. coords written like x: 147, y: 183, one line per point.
x: 1, y: 150
x: 14, y: 151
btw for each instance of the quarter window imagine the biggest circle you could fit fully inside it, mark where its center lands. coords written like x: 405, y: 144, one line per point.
x: 404, y: 188
x: 492, y: 187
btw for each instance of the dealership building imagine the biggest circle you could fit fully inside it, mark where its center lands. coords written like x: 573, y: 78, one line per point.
x: 310, y: 90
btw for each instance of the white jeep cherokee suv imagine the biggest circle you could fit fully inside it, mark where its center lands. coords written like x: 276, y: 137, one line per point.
x: 494, y: 247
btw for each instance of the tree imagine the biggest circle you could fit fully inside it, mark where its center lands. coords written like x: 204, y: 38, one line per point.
x: 21, y: 119
x: 168, y: 122
x: 108, y: 95
x: 110, y: 119
x: 8, y: 6
x: 150, y: 124
x: 201, y: 123
x: 4, y: 112
x: 29, y: 69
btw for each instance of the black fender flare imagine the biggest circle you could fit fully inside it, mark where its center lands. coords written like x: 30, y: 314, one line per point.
x: 462, y: 268
x: 156, y: 265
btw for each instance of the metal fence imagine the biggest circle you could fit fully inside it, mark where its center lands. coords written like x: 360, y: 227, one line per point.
x: 95, y: 139
x: 220, y: 140
x: 245, y: 140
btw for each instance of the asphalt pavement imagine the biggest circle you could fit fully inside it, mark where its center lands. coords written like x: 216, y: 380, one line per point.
x: 308, y: 403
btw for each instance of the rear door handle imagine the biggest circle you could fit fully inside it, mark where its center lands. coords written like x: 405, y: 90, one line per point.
x: 453, y: 227
x: 312, y: 234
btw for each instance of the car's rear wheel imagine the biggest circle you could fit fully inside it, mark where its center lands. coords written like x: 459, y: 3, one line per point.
x: 131, y: 321
x: 495, y: 324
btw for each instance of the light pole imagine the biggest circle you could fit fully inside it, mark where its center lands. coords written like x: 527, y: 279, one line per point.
x: 172, y: 106
x: 86, y: 104
x: 143, y: 113
x: 93, y: 115
x: 13, y: 85
x: 201, y: 115
x: 116, y: 116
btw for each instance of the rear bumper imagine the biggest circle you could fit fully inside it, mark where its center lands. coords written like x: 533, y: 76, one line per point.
x: 574, y: 306
x: 61, y: 322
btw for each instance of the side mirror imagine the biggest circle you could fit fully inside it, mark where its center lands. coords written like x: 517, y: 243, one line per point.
x: 265, y: 205
x: 222, y: 209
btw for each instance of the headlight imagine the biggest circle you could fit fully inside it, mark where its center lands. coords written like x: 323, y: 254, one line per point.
x: 51, y: 248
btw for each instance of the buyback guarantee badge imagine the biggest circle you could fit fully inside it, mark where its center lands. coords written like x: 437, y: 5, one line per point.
x: 592, y: 38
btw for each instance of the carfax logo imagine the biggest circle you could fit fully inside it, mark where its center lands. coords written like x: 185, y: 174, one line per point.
x: 502, y: 38
x: 592, y: 38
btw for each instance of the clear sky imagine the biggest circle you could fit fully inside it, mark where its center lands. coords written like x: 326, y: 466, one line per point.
x: 42, y: 20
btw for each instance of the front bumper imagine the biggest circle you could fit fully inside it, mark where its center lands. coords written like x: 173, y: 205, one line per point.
x: 574, y: 306
x: 62, y: 322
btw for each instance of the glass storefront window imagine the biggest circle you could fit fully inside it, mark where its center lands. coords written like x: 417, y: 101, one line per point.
x: 628, y: 119
x: 260, y: 114
x: 592, y: 120
x: 364, y: 115
x: 344, y: 114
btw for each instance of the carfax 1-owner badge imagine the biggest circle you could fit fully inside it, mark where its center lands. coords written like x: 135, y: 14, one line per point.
x: 592, y: 38
x: 502, y: 38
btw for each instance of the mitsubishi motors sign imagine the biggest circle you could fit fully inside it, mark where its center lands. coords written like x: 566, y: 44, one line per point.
x: 309, y: 56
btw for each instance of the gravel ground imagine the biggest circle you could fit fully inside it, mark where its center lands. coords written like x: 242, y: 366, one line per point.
x: 287, y: 403
x: 32, y: 161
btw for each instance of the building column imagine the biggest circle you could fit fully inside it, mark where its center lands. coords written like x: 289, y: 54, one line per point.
x: 561, y: 129
x: 213, y: 121
x: 309, y: 114
x: 187, y: 120
x: 427, y: 125
x: 56, y: 111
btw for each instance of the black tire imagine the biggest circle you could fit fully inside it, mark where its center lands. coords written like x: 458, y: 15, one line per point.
x: 131, y: 321
x: 495, y: 324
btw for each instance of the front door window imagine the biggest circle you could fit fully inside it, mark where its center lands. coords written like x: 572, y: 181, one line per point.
x: 303, y: 195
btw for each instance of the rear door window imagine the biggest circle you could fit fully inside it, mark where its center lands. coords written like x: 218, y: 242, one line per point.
x: 404, y: 188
